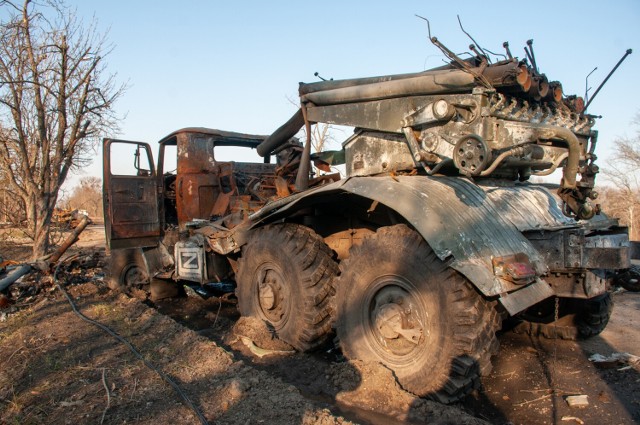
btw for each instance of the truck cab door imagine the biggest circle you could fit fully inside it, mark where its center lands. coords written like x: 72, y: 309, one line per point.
x: 130, y: 195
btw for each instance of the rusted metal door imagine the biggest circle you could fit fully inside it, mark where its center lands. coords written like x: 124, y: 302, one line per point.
x: 130, y: 195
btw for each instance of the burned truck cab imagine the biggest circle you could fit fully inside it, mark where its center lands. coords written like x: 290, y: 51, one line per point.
x: 151, y: 211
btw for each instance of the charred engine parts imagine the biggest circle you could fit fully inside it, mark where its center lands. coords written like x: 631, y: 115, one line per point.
x: 471, y: 155
x: 485, y: 118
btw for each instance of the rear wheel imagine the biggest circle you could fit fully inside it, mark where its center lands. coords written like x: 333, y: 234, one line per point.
x: 285, y: 277
x: 403, y: 307
x: 577, y: 318
x: 629, y: 279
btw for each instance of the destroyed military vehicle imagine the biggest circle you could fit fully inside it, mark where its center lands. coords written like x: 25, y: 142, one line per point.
x: 415, y: 258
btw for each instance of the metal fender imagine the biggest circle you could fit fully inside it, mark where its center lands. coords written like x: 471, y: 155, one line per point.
x: 467, y: 225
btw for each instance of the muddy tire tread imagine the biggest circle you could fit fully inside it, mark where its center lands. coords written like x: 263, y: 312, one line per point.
x: 475, y: 322
x: 317, y: 269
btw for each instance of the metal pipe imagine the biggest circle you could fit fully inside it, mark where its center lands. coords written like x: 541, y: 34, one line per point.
x: 437, y: 82
x: 302, y: 178
x: 553, y: 168
x: 439, y: 165
x: 555, y: 92
x: 542, y: 131
x: 497, y: 161
x: 454, y: 82
x: 539, y: 88
x: 506, y: 47
x: 306, y: 88
x: 570, y: 170
x: 71, y: 239
x: 282, y: 134
x: 524, y: 78
x: 533, y: 55
x: 15, y: 275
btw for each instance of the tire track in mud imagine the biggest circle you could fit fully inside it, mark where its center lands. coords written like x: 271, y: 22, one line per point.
x: 525, y: 369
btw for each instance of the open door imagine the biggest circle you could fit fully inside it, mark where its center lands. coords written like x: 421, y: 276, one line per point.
x: 130, y: 195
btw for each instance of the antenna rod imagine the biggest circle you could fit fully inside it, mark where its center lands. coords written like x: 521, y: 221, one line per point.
x: 627, y: 53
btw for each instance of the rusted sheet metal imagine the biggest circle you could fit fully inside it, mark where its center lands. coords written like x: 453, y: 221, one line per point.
x: 368, y: 155
x: 612, y: 250
x: 452, y: 214
x: 132, y: 210
x: 456, y: 217
x: 206, y: 187
x: 383, y: 115
x: 585, y: 284
x: 229, y: 138
x: 130, y: 201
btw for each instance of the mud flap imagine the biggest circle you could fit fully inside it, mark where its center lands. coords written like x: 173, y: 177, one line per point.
x: 517, y: 301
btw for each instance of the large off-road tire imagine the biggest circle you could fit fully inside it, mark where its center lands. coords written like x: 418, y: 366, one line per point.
x: 400, y: 305
x: 629, y: 279
x: 578, y: 318
x: 126, y: 269
x: 285, y: 277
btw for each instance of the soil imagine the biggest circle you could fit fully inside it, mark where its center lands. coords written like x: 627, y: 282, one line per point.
x: 57, y: 368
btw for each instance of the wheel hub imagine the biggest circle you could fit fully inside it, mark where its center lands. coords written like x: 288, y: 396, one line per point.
x: 135, y: 276
x: 272, y: 295
x: 268, y: 296
x: 388, y: 320
x: 395, y: 320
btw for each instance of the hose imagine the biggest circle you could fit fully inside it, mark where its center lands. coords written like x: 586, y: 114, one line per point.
x: 131, y: 348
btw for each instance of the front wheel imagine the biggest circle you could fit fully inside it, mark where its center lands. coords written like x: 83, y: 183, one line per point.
x: 403, y: 307
x: 126, y: 269
x: 285, y: 277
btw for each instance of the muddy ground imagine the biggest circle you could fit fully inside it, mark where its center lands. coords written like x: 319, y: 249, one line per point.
x: 57, y: 368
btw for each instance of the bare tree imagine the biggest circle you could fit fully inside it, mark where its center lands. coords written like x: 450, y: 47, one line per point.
x: 87, y: 196
x: 623, y: 200
x: 56, y: 101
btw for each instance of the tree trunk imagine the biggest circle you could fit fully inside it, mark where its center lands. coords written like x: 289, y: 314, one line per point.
x: 40, y: 241
x: 41, y: 226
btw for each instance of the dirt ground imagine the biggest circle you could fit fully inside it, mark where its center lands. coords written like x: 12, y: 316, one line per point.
x: 56, y: 368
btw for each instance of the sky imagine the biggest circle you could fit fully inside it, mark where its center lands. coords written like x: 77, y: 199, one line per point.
x: 236, y: 65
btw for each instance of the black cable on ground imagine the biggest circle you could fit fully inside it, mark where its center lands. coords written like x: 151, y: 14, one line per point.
x: 108, y: 330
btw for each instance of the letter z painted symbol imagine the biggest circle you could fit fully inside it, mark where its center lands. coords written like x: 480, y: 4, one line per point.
x: 189, y: 260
